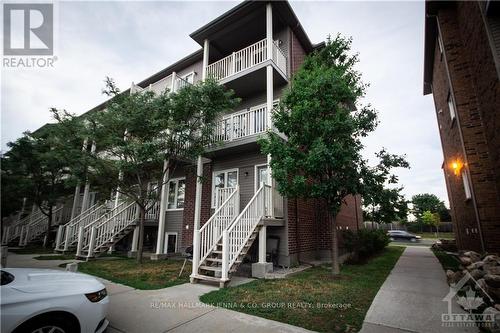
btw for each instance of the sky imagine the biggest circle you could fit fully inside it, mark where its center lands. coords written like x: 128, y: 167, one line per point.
x: 130, y: 41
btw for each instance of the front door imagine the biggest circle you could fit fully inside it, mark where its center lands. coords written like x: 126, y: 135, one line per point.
x: 261, y: 176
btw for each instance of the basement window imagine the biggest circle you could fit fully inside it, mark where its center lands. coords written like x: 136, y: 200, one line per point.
x: 465, y: 179
x: 451, y: 107
x: 176, y: 190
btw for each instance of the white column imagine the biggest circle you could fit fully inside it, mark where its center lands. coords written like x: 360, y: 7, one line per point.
x: 162, y: 220
x: 21, y: 236
x: 269, y: 92
x: 197, y: 201
x: 135, y: 239
x: 59, y: 236
x: 79, y: 247
x: 269, y: 30
x: 206, y: 56
x: 76, y: 199
x: 262, y: 244
x: 174, y: 78
x: 197, y: 216
x: 93, y: 234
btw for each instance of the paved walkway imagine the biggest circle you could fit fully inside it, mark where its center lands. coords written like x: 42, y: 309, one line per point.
x: 174, y: 309
x: 411, y: 299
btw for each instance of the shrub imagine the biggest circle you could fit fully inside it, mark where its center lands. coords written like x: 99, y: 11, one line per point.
x: 365, y: 243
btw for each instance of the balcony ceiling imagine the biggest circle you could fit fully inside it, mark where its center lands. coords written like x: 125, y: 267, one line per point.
x: 253, y: 81
x: 245, y: 24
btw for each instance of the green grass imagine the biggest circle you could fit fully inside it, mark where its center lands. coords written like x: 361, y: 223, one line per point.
x: 32, y: 250
x: 432, y: 235
x: 447, y: 261
x: 149, y: 275
x: 56, y: 257
x: 312, y: 299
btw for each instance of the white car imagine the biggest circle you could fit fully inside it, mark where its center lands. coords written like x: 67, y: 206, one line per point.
x: 44, y: 300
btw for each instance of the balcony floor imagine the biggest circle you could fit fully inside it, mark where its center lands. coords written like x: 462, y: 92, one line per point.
x: 253, y: 80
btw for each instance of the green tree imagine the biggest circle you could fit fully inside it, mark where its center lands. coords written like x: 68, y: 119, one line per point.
x: 321, y: 155
x: 137, y: 132
x: 386, y: 205
x: 40, y: 165
x: 429, y: 202
x: 431, y: 219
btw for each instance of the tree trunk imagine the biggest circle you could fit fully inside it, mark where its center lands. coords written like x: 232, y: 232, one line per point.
x: 46, y: 240
x: 142, y: 216
x: 335, y: 245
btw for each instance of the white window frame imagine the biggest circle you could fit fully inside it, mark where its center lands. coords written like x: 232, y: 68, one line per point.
x: 451, y: 106
x: 467, y: 187
x: 256, y: 175
x: 176, y: 180
x: 225, y: 171
x: 165, y: 244
x: 440, y: 45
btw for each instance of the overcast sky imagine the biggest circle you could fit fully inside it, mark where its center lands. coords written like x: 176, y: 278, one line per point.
x: 129, y: 41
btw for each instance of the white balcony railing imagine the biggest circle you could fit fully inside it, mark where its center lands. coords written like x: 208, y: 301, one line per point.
x: 241, y: 124
x: 246, y: 58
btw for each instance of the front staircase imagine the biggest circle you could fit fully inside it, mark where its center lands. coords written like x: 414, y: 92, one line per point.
x: 97, y: 238
x: 223, y: 241
x: 67, y: 234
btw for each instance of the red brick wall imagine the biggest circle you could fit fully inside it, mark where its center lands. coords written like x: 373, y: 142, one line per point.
x: 297, y: 53
x: 468, y: 138
x: 309, y: 228
x: 188, y: 217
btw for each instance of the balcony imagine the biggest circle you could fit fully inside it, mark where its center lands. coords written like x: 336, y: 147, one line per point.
x: 249, y: 60
x: 241, y: 124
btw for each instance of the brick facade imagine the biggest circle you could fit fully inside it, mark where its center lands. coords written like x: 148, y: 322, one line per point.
x: 188, y: 217
x: 309, y: 231
x: 466, y: 71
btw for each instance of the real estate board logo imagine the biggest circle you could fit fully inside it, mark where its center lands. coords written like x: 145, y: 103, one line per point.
x: 28, y: 35
x: 468, y: 293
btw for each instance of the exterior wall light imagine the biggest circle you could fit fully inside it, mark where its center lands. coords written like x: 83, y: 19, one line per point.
x: 457, y: 166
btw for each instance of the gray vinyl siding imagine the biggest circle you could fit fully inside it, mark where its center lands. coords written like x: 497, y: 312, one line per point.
x: 245, y: 163
x: 174, y: 218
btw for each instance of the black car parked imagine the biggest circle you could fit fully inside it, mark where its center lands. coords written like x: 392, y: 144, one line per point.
x: 402, y: 235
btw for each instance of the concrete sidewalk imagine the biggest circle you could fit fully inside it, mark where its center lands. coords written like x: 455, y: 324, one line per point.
x: 411, y: 299
x: 174, y: 309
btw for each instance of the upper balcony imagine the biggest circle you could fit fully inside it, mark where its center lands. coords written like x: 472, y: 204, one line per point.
x: 252, y: 61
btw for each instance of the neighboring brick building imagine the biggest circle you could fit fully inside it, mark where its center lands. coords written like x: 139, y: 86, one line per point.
x: 462, y: 69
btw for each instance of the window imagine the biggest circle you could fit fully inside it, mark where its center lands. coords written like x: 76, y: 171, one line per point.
x: 451, y: 106
x: 170, y: 245
x: 189, y: 77
x: 223, y: 179
x: 176, y: 190
x: 465, y: 178
x: 441, y: 47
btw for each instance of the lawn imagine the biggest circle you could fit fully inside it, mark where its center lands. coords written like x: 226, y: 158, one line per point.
x: 56, y: 257
x: 150, y: 275
x: 432, y: 235
x: 447, y: 261
x: 32, y: 250
x: 313, y: 299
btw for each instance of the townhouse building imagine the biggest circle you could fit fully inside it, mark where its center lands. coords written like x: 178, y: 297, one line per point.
x: 461, y: 71
x: 235, y: 214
